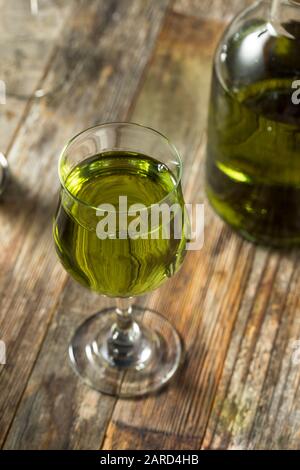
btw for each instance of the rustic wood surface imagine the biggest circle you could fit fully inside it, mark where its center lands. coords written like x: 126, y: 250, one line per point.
x: 236, y: 306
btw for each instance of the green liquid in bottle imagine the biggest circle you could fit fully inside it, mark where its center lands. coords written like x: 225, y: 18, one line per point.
x: 116, y: 267
x: 253, y: 161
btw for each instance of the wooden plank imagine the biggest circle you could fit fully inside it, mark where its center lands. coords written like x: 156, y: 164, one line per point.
x: 57, y: 411
x: 233, y: 303
x: 236, y: 306
x: 15, y: 109
x: 257, y: 401
x: 182, y: 67
x: 203, y: 300
x: 213, y: 9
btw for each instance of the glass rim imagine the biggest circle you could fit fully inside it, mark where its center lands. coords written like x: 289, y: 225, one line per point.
x: 114, y: 124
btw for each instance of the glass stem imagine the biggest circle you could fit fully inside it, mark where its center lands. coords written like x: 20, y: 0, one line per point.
x: 125, y: 335
x: 124, y: 312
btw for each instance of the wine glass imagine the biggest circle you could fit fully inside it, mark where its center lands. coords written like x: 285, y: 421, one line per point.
x: 125, y: 350
x: 29, y: 31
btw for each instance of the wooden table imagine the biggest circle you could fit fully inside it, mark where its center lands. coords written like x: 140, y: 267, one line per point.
x: 236, y: 306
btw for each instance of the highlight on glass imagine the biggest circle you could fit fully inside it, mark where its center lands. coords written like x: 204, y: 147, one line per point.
x: 111, y: 238
x: 4, y: 173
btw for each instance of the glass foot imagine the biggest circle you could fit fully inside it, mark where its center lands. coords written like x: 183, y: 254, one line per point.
x: 107, y: 363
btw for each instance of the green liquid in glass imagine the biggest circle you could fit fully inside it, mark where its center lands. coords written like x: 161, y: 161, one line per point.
x: 116, y: 267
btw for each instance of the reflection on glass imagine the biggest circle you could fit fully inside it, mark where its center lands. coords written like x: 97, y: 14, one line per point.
x: 253, y: 164
x: 3, y: 172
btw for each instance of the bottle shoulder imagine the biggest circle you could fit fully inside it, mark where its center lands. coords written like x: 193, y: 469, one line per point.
x: 252, y: 50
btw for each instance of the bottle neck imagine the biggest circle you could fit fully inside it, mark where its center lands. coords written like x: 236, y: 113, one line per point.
x: 283, y: 14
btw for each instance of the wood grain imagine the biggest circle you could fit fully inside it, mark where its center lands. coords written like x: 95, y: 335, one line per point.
x: 203, y: 300
x: 15, y: 109
x: 213, y: 9
x: 230, y: 302
x: 101, y: 88
x: 237, y: 306
x: 256, y: 405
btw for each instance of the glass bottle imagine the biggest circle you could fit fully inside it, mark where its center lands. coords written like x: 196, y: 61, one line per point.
x: 253, y: 150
